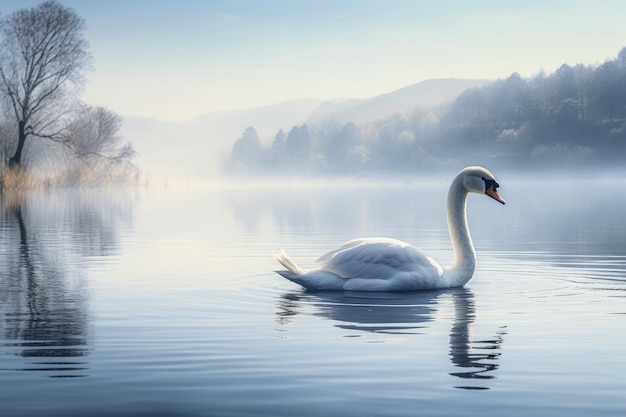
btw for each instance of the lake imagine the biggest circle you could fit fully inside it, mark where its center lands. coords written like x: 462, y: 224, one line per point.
x: 163, y: 302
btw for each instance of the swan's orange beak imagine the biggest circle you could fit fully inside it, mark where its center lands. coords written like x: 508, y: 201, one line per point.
x: 493, y: 193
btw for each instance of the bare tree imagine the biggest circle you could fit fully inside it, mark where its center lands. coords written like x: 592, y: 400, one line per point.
x: 43, y: 53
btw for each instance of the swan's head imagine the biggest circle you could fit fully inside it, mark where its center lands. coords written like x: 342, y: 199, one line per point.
x: 480, y: 181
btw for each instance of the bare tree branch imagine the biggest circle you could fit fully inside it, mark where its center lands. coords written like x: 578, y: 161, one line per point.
x: 93, y: 132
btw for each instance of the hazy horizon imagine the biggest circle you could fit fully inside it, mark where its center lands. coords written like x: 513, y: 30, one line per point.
x: 173, y: 60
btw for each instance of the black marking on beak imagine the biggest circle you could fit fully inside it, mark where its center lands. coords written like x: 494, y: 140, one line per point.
x: 491, y: 187
x: 490, y: 183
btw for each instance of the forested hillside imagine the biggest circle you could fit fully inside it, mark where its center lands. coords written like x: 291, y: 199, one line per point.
x: 574, y: 117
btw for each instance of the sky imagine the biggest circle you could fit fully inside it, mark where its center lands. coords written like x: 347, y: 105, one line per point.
x: 178, y: 59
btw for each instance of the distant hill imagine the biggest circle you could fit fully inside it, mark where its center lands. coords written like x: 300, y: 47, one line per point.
x: 425, y: 94
x: 195, y: 148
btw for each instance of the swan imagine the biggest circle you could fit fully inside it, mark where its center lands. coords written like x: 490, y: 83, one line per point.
x: 383, y: 264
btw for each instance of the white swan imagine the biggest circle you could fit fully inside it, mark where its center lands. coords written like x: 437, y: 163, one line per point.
x: 381, y: 264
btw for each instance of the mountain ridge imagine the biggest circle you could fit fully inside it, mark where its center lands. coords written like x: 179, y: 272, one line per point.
x: 425, y: 94
x: 196, y: 147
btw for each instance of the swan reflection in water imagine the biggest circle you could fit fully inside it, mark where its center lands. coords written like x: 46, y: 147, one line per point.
x: 405, y: 313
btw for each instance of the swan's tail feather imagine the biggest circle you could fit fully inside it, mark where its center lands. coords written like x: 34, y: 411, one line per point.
x: 316, y: 279
x: 288, y: 274
x: 287, y: 262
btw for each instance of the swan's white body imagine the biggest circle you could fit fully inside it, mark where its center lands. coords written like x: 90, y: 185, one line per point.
x: 382, y: 264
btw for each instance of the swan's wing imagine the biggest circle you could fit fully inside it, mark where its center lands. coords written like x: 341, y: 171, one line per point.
x: 348, y: 245
x: 378, y: 259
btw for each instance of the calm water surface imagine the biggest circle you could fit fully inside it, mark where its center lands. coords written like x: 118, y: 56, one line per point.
x: 163, y: 302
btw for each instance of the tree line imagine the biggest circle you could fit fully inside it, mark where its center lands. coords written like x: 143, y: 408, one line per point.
x: 574, y: 117
x: 44, y: 127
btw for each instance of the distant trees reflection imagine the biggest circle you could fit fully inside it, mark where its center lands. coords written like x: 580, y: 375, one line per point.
x: 574, y: 117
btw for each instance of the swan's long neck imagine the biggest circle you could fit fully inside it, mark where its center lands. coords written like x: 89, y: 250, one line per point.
x: 464, y: 255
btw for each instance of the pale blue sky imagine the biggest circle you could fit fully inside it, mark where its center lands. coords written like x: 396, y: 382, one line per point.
x: 176, y: 59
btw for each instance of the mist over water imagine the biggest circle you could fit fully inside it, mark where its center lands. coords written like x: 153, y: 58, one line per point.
x: 165, y: 301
